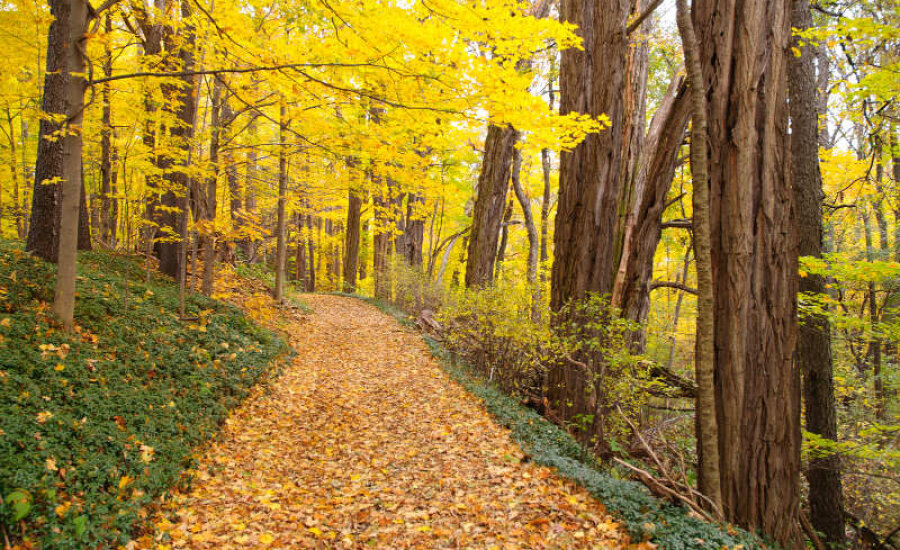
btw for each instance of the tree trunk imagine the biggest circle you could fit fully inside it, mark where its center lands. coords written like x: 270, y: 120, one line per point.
x: 52, y: 163
x: 173, y: 214
x: 281, y: 223
x: 707, y: 425
x: 813, y: 337
x: 109, y: 207
x: 250, y: 181
x: 351, y: 243
x: 592, y: 81
x: 311, y: 254
x: 71, y: 20
x: 533, y: 244
x: 743, y: 51
x: 545, y: 198
x: 300, y: 261
x: 208, y: 196
x: 490, y: 201
x: 643, y: 226
x: 414, y: 232
x: 504, y: 241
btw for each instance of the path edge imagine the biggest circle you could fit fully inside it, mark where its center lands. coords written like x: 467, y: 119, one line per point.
x: 645, y: 517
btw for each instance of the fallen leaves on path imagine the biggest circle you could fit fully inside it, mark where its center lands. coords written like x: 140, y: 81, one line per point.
x: 363, y: 442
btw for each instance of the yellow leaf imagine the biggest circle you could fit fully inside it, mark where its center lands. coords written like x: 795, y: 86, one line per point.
x: 59, y: 367
x: 266, y: 538
x: 315, y: 531
x: 124, y: 481
x: 51, y: 464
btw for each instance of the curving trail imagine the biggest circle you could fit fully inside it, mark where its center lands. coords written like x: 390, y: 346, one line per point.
x: 364, y: 442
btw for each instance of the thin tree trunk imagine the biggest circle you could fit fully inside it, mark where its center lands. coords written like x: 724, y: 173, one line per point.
x: 533, y: 244
x: 545, y: 197
x: 109, y: 204
x: 281, y: 223
x: 311, y: 254
x: 208, y: 195
x: 504, y: 241
x: 707, y: 425
x: 14, y: 170
x: 813, y: 337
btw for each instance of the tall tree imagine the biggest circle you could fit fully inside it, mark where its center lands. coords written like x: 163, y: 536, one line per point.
x: 352, y: 238
x: 643, y: 224
x: 52, y: 165
x: 68, y: 86
x: 281, y: 220
x: 533, y: 244
x: 493, y: 187
x: 109, y: 207
x: 172, y: 213
x: 743, y: 52
x: 814, y: 335
x: 490, y: 202
x: 592, y: 81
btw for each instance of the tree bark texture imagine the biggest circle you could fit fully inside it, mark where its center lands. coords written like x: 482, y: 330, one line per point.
x: 169, y: 217
x: 592, y: 81
x: 744, y: 49
x: 351, y: 242
x: 704, y: 356
x: 50, y: 165
x: 643, y: 225
x: 814, y: 336
x: 75, y: 13
x: 109, y: 204
x: 490, y: 201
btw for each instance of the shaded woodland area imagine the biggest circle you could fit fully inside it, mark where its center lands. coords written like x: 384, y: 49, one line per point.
x: 671, y: 228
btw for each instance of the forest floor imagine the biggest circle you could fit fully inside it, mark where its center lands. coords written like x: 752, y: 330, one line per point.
x: 364, y: 441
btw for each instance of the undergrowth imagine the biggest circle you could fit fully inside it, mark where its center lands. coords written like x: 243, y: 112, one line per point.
x: 646, y: 517
x: 95, y: 424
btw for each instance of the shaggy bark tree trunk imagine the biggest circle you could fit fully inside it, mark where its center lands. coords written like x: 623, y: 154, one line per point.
x: 643, y: 226
x: 490, y: 201
x: 814, y: 336
x: 744, y: 49
x: 592, y: 81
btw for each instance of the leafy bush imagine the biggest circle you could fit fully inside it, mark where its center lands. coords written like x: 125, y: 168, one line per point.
x: 95, y: 424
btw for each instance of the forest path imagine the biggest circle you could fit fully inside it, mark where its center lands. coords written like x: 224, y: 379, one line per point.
x: 363, y: 441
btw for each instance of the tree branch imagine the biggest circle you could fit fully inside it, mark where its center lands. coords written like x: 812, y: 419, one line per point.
x: 644, y: 15
x: 670, y: 284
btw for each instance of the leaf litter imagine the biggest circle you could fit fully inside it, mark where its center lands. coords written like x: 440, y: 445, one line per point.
x: 364, y: 442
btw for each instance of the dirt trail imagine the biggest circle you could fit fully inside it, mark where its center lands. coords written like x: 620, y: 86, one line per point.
x: 365, y: 442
